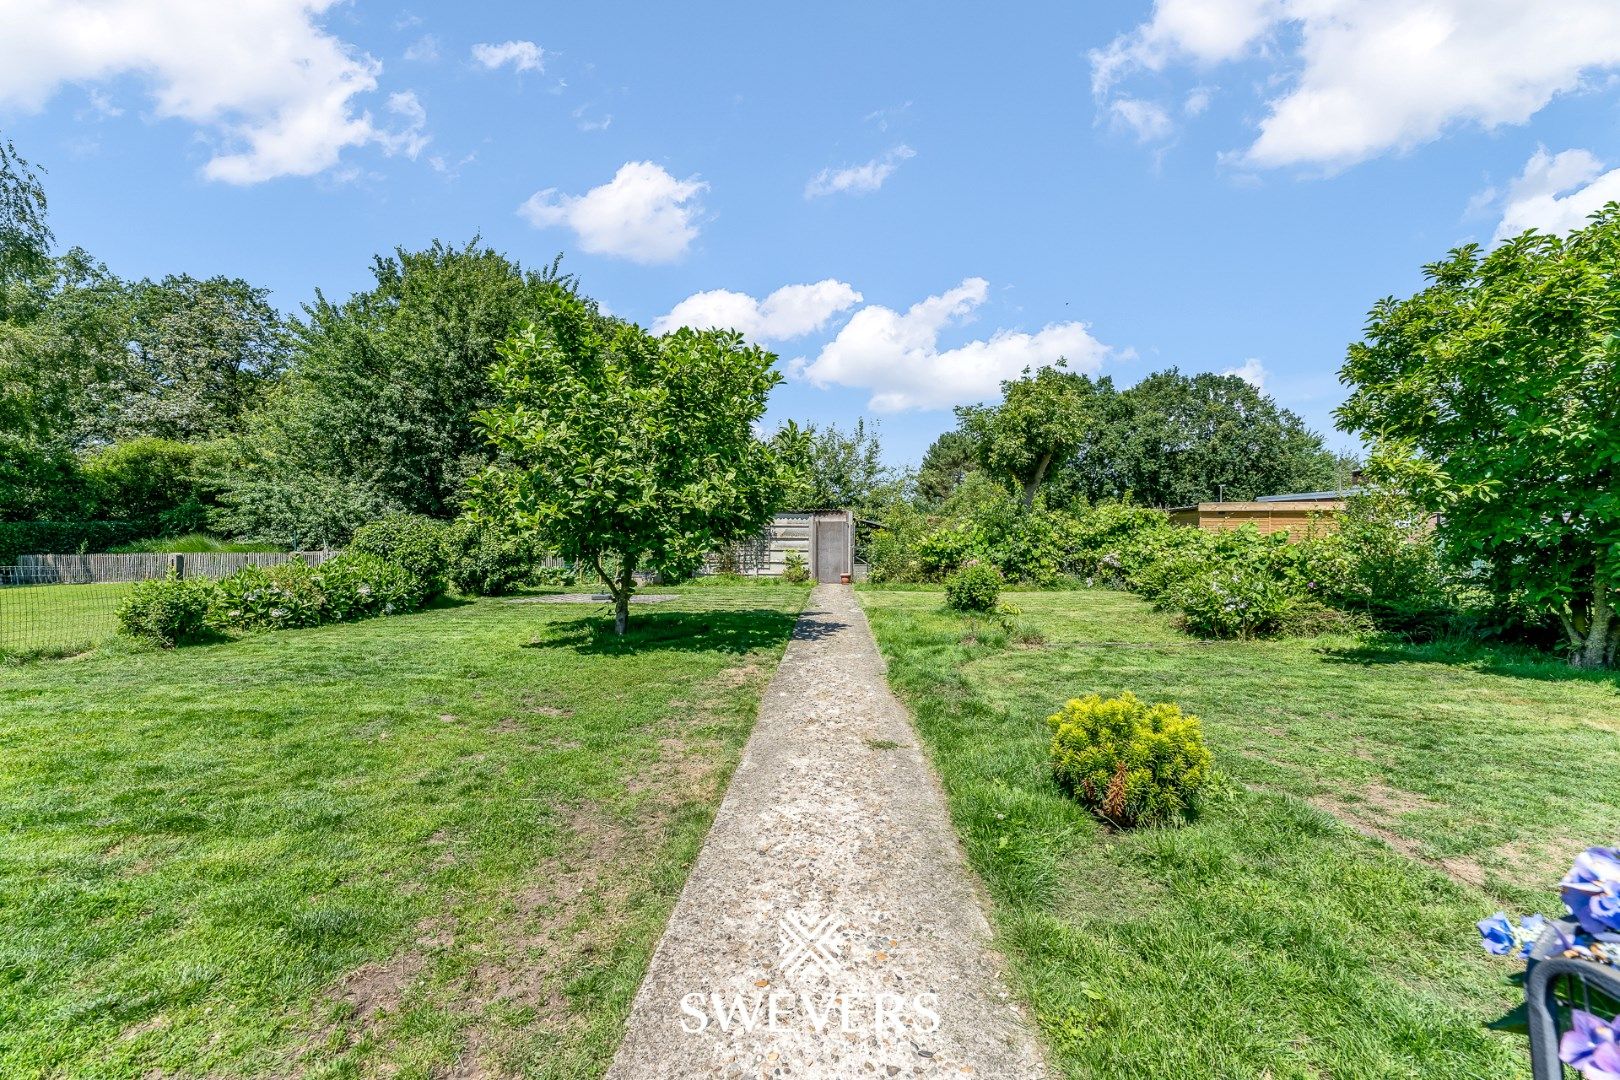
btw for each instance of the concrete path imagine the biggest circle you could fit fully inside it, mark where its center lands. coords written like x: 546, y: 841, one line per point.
x: 830, y: 927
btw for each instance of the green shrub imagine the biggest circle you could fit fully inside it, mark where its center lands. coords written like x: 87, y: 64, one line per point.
x: 146, y: 480
x: 794, y: 568
x: 63, y: 537
x: 1111, y: 540
x: 975, y: 587
x: 1236, y: 600
x: 273, y: 598
x: 1129, y: 762
x: 167, y: 611
x: 357, y: 586
x: 942, y: 552
x: 421, y: 545
x: 489, y: 561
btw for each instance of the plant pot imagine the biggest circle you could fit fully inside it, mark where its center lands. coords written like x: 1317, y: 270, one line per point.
x: 843, y: 579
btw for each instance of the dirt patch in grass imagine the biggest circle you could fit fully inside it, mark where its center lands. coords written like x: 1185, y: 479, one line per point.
x: 1375, y: 811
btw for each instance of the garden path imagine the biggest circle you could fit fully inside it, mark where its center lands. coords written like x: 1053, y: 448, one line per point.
x: 830, y: 927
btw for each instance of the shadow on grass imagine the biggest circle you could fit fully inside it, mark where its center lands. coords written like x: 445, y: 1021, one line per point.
x: 734, y: 631
x: 1514, y: 661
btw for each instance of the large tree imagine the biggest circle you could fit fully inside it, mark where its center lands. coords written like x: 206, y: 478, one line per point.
x: 829, y: 467
x: 627, y: 451
x: 1042, y: 419
x: 1174, y: 439
x: 381, y: 393
x: 1494, y: 395
x: 201, y: 352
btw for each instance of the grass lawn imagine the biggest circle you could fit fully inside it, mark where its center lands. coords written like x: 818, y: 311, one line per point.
x: 47, y: 620
x: 400, y: 847
x: 1318, y: 919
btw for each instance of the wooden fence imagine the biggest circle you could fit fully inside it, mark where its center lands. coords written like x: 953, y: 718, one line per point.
x: 96, y: 569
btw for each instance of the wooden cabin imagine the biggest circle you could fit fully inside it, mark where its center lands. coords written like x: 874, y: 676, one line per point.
x: 1296, y: 517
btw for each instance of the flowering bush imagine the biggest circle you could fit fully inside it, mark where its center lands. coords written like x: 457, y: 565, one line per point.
x: 274, y: 598
x: 975, y: 587
x: 1239, y: 600
x: 1129, y: 762
x: 358, y: 586
x: 168, y: 611
x: 1591, y: 895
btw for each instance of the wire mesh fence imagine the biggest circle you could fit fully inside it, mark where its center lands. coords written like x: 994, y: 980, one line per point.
x: 61, y: 604
x: 45, y: 610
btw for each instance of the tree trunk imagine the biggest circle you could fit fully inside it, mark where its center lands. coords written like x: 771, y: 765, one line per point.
x: 621, y: 595
x: 1596, y: 650
x: 1033, y: 485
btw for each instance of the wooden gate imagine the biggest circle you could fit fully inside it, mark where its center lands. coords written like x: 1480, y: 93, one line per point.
x: 832, y: 546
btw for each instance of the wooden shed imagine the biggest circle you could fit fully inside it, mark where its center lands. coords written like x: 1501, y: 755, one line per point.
x: 1295, y: 517
x: 826, y: 539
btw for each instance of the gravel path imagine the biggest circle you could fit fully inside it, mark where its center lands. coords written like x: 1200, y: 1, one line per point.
x: 831, y: 888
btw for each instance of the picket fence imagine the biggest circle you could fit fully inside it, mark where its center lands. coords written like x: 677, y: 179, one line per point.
x: 100, y: 569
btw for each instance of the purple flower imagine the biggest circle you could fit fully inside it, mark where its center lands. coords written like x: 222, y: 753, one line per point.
x: 1592, y: 1046
x: 1496, y: 934
x: 1591, y: 890
x: 1500, y: 937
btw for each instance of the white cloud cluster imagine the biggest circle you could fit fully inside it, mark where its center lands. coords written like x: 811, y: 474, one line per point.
x: 857, y: 179
x: 789, y: 312
x: 897, y: 355
x: 1250, y: 371
x: 1361, y: 77
x: 1148, y: 119
x: 1555, y: 193
x: 276, y: 90
x: 522, y: 55
x: 643, y: 214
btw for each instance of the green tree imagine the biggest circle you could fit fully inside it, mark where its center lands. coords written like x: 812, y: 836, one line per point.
x: 627, y: 451
x: 945, y: 465
x: 25, y: 235
x: 200, y: 354
x: 1174, y: 439
x: 1493, y: 395
x: 382, y: 388
x: 1042, y: 419
x: 831, y: 468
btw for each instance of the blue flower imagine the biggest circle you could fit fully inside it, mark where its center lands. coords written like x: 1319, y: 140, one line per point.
x: 1591, y: 890
x: 1592, y: 1046
x: 1496, y: 934
x: 1501, y: 938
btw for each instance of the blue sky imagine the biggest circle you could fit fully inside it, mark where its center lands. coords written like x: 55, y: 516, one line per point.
x: 959, y: 190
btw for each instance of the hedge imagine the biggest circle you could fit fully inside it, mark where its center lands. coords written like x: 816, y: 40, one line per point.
x: 65, y: 537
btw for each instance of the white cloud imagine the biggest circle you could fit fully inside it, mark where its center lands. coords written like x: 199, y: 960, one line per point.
x: 643, y: 214
x: 1197, y: 100
x: 858, y: 179
x: 586, y: 122
x: 1556, y: 192
x: 1250, y: 371
x: 424, y: 49
x: 522, y: 55
x: 1149, y: 120
x: 897, y: 356
x: 789, y: 312
x: 1362, y: 77
x: 274, y: 90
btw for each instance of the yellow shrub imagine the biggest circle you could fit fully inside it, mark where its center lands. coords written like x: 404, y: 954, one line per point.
x: 1130, y: 762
